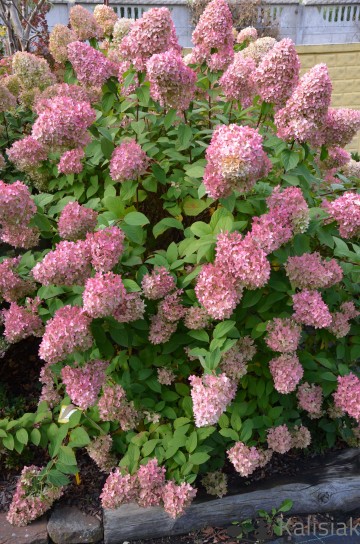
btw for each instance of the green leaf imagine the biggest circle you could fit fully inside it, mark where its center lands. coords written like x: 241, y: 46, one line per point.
x: 136, y: 219
x: 195, y: 171
x: 194, y: 206
x: 184, y: 136
x: 285, y: 506
x: 198, y: 458
x: 57, y: 478
x: 8, y: 442
x: 235, y: 420
x: 223, y: 328
x: 149, y: 446
x: 22, y: 436
x: 191, y: 442
x: 107, y: 147
x: 165, y: 224
x: 102, y: 341
x: 67, y: 455
x: 200, y: 229
x: 229, y: 433
x: 290, y: 159
x: 328, y: 376
x: 79, y: 438
x: 35, y: 437
x: 169, y: 119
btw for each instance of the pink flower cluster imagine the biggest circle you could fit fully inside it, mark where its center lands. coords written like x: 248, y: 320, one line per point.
x: 153, y: 33
x: 7, y: 100
x: 213, y: 37
x: 76, y: 221
x: 103, y: 294
x: 300, y: 437
x: 247, y: 459
x: 215, y: 483
x: 27, y: 153
x: 311, y: 310
x: 70, y: 161
x: 346, y: 211
x: 22, y: 321
x: 31, y: 499
x: 77, y: 93
x: 279, y: 439
x: 340, y: 127
x: 92, y: 68
x: 310, y: 271
x: 211, y: 395
x: 83, y: 384
x: 105, y: 17
x: 66, y: 332
x: 278, y: 73
x: 99, y: 451
x: 248, y: 34
x: 217, y: 291
x: 16, y: 211
x: 196, y: 318
x: 113, y: 406
x: 63, y: 123
x: 172, y: 83
x: 347, y: 395
x: 130, y: 309
x: 83, y: 23
x: 147, y: 487
x: 286, y: 371
x: 128, y: 161
x: 310, y: 398
x: 237, y: 81
x: 106, y: 247
x: 165, y: 376
x: 234, y: 361
x: 12, y: 286
x: 67, y: 264
x: 283, y: 335
x: 235, y: 160
x: 259, y: 48
x: 305, y: 112
x: 161, y: 329
x: 291, y: 206
x: 157, y: 284
x: 171, y: 307
x: 49, y: 392
x: 340, y: 325
x: 59, y: 39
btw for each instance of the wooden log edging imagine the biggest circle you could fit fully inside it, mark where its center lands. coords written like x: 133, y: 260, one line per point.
x: 324, y: 484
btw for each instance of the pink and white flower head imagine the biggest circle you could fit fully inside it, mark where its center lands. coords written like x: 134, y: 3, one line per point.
x: 119, y: 489
x: 283, y: 335
x: 311, y: 310
x: 244, y: 458
x: 278, y: 73
x: 211, y: 395
x: 113, y: 406
x: 27, y: 153
x: 32, y: 71
x: 177, y: 498
x: 92, y: 68
x: 196, y: 318
x: 171, y: 307
x: 151, y: 481
x: 248, y: 34
x: 59, y: 39
x: 7, y: 100
x: 31, y: 498
x: 22, y: 321
x: 16, y: 205
x: 341, y: 126
x: 347, y: 395
x: 67, y: 264
x: 287, y: 372
x: 105, y: 17
x: 271, y: 230
x: 153, y: 33
x: 83, y: 384
x: 310, y: 398
x: 259, y: 48
x: 243, y: 259
x: 99, y: 450
x: 310, y: 271
x: 172, y: 83
x: 305, y: 112
x: 63, y: 123
x: 345, y: 210
x: 300, y: 437
x: 103, y: 294
x: 76, y: 221
x: 161, y: 329
x: 131, y: 308
x: 279, y: 439
x: 83, y: 23
x: 213, y: 37
x: 128, y: 161
x: 12, y: 285
x: 20, y: 236
x: 237, y: 81
x: 165, y: 376
x: 66, y: 332
x: 158, y: 284
x: 290, y: 208
x: 234, y: 361
x: 106, y: 247
x: 70, y: 161
x: 235, y: 160
x: 217, y: 291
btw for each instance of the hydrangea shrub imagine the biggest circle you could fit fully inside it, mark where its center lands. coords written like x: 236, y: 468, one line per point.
x: 182, y: 236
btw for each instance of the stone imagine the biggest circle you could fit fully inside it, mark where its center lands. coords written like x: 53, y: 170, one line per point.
x: 35, y: 533
x: 68, y: 525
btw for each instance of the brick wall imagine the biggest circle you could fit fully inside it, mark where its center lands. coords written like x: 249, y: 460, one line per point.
x: 343, y: 61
